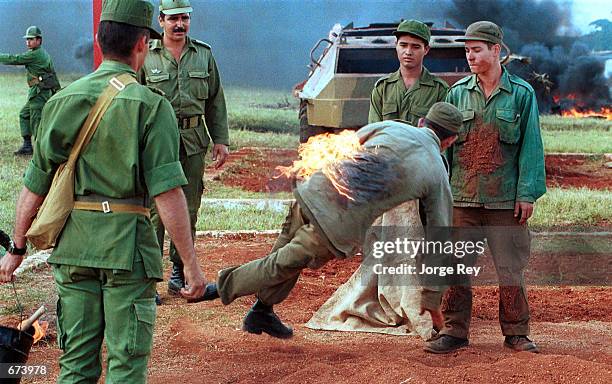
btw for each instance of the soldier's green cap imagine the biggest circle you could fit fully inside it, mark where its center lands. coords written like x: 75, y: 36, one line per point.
x: 138, y: 13
x: 174, y: 7
x: 415, y: 28
x: 32, y: 32
x: 483, y: 31
x: 445, y: 115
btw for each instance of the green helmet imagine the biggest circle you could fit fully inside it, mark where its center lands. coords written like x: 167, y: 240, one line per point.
x: 174, y: 7
x: 32, y: 32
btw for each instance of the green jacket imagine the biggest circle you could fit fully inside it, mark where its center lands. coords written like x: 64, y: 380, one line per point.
x: 399, y: 163
x: 40, y: 73
x: 498, y: 157
x: 192, y: 86
x: 133, y: 153
x: 391, y: 100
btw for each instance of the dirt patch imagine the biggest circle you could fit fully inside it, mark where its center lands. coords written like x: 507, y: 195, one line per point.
x: 254, y: 169
x: 196, y: 343
x: 578, y: 171
x: 481, y: 153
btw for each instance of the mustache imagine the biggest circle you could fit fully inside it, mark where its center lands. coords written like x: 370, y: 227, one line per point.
x: 178, y: 29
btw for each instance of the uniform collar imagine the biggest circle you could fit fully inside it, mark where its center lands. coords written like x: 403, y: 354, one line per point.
x: 504, y: 81
x: 426, y: 78
x: 115, y: 66
x: 159, y: 44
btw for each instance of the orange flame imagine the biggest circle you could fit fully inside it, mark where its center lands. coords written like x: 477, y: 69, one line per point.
x: 40, y: 330
x: 321, y: 152
x: 604, y: 113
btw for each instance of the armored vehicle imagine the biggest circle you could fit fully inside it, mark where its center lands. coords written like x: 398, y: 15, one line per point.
x: 336, y: 94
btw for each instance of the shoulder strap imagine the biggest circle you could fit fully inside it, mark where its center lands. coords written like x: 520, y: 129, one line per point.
x: 116, y: 85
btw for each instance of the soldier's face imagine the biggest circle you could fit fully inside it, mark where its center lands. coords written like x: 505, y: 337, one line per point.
x: 175, y: 27
x: 33, y: 43
x: 410, y: 51
x: 480, y: 57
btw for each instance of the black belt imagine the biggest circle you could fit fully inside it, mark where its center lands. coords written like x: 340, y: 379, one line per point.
x: 188, y: 122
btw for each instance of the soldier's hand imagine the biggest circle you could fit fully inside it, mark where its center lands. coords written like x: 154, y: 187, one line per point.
x: 195, y: 282
x: 8, y: 265
x: 219, y: 154
x: 523, y: 210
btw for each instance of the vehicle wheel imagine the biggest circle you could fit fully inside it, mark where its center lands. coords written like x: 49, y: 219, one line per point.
x: 307, y: 130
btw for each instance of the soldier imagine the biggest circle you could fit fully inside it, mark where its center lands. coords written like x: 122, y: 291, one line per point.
x: 184, y: 69
x: 107, y: 260
x: 408, y: 93
x: 497, y: 173
x: 42, y: 81
x: 398, y: 163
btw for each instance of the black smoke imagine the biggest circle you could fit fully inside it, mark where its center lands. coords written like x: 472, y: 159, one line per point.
x: 562, y: 70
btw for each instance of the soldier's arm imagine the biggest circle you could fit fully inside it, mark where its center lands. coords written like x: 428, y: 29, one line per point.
x: 215, y: 110
x: 375, y: 113
x: 18, y: 59
x: 531, y: 176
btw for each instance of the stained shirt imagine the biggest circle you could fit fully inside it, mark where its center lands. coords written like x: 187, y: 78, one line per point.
x: 498, y: 158
x: 133, y: 153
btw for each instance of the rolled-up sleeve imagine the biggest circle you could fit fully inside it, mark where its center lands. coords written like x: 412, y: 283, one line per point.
x: 162, y: 169
x: 37, y: 180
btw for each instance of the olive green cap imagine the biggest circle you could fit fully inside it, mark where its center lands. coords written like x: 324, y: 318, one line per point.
x: 415, y: 28
x: 32, y: 32
x: 445, y: 115
x: 483, y: 31
x: 174, y: 7
x: 138, y: 13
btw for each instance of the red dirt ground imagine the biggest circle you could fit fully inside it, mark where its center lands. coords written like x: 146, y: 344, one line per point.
x: 202, y: 343
x: 253, y: 169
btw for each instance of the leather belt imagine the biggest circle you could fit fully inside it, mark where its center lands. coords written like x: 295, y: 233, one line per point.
x: 108, y: 205
x: 188, y: 122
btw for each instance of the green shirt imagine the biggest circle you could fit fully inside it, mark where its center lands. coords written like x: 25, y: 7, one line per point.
x: 391, y: 100
x: 134, y: 152
x: 193, y: 87
x: 400, y: 163
x: 498, y: 157
x: 37, y: 63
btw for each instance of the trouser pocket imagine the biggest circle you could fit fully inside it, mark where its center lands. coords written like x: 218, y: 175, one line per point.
x: 142, y: 323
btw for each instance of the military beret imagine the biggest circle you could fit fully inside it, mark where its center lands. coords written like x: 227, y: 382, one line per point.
x: 483, y: 31
x: 138, y: 13
x: 415, y: 28
x: 445, y: 115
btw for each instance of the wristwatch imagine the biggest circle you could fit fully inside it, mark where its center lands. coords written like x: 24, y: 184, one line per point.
x: 16, y: 251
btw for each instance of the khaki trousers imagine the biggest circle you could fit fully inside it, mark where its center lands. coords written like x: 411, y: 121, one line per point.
x: 273, y: 277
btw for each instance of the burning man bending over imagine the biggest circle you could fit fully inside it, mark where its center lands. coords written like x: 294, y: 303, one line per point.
x: 337, y: 205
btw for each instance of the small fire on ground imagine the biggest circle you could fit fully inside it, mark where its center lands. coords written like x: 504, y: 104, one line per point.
x: 604, y: 113
x: 321, y: 152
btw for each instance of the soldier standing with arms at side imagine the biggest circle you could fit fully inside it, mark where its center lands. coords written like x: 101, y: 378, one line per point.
x: 107, y: 260
x: 497, y: 174
x: 408, y: 93
x: 185, y: 70
x: 42, y: 81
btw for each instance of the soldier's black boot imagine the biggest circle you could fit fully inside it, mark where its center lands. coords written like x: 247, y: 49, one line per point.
x: 261, y: 318
x: 210, y: 293
x: 158, y: 300
x: 177, y: 280
x: 26, y: 148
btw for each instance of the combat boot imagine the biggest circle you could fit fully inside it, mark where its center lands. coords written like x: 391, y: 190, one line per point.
x: 26, y: 148
x: 261, y: 318
x: 177, y: 280
x: 210, y: 293
x: 445, y: 344
x: 521, y: 344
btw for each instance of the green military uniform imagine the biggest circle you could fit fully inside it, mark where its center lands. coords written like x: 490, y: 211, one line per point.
x: 323, y: 224
x: 42, y: 80
x: 391, y: 100
x: 497, y: 160
x: 193, y: 87
x: 106, y: 264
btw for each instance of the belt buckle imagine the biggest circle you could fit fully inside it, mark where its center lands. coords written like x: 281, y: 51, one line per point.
x: 106, y: 207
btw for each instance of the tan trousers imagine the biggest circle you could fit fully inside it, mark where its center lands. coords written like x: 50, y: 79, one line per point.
x: 272, y: 277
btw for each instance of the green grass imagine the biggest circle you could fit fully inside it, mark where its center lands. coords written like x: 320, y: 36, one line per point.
x: 216, y: 190
x: 247, y: 218
x: 577, y: 141
x: 558, y: 123
x: 572, y: 207
x: 245, y: 138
